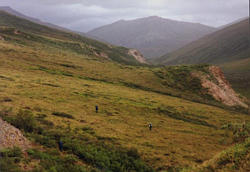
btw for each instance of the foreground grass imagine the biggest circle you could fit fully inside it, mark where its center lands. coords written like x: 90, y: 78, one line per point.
x: 184, y: 132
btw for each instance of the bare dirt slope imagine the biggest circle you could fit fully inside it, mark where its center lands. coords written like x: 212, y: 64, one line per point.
x: 220, y: 88
x: 11, y: 136
x: 137, y: 55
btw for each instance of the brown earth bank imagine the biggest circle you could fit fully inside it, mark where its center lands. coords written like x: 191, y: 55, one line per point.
x: 137, y: 55
x: 220, y: 88
x: 12, y: 137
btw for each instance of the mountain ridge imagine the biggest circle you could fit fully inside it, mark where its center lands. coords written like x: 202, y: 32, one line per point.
x: 223, y: 38
x: 229, y: 48
x: 80, y: 43
x: 153, y: 36
x: 35, y: 20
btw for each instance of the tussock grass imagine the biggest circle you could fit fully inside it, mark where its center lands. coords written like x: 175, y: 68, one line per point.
x: 186, y: 133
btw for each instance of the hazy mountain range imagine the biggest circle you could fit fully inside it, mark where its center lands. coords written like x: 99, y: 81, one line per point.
x: 228, y: 44
x: 35, y: 20
x: 153, y: 36
x: 229, y: 48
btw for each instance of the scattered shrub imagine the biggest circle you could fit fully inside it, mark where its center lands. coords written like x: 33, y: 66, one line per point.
x: 24, y: 120
x: 185, y: 117
x: 62, y: 114
x: 240, y: 131
x: 52, y: 161
x: 235, y: 156
x: 9, y: 159
x: 7, y: 99
x: 88, y: 130
x: 133, y: 152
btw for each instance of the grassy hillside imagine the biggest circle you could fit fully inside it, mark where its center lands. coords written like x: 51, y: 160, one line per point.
x: 18, y: 14
x: 228, y: 48
x: 69, y: 40
x: 238, y: 73
x: 228, y: 44
x: 50, y: 83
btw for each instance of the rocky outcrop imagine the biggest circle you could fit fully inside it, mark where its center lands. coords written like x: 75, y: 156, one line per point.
x: 217, y: 86
x: 11, y: 136
x: 137, y: 55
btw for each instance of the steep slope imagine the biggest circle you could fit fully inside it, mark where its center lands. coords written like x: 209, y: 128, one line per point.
x: 58, y: 38
x: 11, y: 136
x: 238, y: 73
x: 18, y: 14
x: 229, y: 48
x: 153, y: 36
x: 229, y: 44
x: 232, y: 23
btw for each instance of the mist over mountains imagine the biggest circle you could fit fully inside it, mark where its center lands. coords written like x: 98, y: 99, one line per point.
x: 153, y: 36
x: 35, y: 20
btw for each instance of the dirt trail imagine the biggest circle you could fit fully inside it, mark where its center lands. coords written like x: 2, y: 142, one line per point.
x: 11, y: 136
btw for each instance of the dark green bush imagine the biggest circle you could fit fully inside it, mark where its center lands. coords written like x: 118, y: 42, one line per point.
x: 240, y: 131
x: 9, y: 159
x: 14, y: 152
x: 133, y: 152
x: 25, y: 121
x: 107, y: 158
x: 52, y: 161
x: 185, y: 117
x: 88, y: 130
x: 62, y: 114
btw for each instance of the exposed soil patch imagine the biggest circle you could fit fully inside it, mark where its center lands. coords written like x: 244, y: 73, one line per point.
x: 11, y: 136
x: 102, y: 54
x: 219, y: 87
x: 137, y: 55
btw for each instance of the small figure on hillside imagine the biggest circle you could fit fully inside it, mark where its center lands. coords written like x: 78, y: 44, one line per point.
x: 150, y: 126
x: 96, y: 109
x: 60, y: 145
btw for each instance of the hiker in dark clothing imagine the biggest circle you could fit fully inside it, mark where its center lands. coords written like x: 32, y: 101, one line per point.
x: 150, y: 126
x: 96, y: 109
x: 60, y: 145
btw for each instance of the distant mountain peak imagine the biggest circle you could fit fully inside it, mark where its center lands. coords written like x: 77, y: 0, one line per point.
x: 153, y: 36
x: 154, y: 17
x: 8, y: 9
x: 120, y: 21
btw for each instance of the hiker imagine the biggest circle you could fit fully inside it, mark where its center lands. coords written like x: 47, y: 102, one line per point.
x: 150, y: 126
x: 96, y: 109
x: 60, y: 144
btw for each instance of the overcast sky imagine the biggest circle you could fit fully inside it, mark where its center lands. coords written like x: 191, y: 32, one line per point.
x: 83, y: 15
